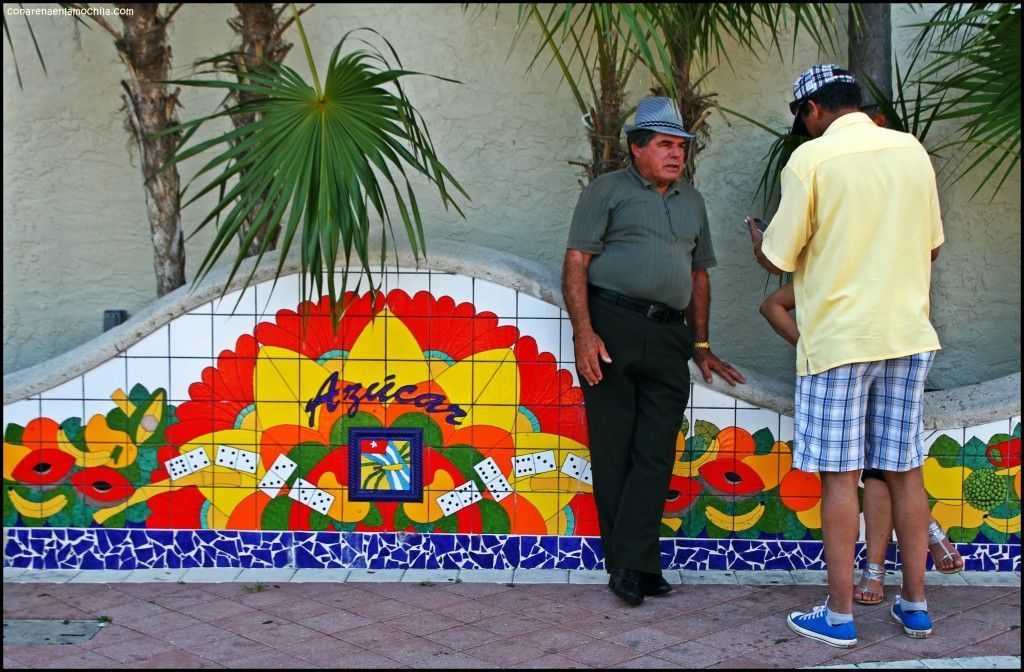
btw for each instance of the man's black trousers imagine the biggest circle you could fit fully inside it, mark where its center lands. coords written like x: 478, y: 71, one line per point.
x: 634, y: 415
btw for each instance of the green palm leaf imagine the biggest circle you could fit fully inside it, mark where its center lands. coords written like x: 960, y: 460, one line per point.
x: 595, y: 57
x: 774, y: 159
x: 974, y: 81
x: 586, y: 42
x: 681, y: 43
x: 318, y: 166
x: 674, y: 35
x: 10, y: 43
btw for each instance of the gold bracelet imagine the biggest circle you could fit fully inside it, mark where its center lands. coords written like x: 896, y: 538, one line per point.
x: 702, y: 345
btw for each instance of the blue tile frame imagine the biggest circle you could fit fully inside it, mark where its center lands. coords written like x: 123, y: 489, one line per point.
x: 356, y: 437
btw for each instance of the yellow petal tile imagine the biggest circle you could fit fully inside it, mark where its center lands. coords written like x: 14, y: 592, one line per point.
x: 285, y: 381
x: 486, y: 386
x: 385, y: 348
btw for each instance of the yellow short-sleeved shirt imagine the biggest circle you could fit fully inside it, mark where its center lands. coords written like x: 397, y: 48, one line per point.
x: 858, y: 218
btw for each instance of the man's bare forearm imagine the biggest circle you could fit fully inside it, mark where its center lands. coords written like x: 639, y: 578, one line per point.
x: 574, y: 290
x: 761, y: 259
x: 697, y: 319
x: 700, y: 306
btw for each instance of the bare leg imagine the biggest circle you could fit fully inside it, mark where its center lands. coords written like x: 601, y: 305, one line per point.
x: 877, y: 535
x: 840, y: 526
x: 911, y: 517
x: 877, y: 519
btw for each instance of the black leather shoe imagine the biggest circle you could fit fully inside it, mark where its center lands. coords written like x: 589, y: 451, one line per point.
x: 626, y: 584
x: 654, y: 585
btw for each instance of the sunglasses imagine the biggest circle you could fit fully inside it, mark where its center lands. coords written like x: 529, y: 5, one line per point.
x: 797, y: 106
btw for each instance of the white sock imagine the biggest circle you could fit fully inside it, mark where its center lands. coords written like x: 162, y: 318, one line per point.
x: 837, y: 619
x: 907, y: 605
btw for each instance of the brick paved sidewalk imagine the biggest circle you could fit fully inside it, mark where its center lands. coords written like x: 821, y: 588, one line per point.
x: 285, y: 619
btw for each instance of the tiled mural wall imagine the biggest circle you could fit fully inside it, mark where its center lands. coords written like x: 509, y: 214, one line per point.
x: 441, y: 426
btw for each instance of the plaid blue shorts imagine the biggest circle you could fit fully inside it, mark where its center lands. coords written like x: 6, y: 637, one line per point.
x: 862, y: 415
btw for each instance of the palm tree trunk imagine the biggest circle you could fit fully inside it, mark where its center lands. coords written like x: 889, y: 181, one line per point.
x: 607, y: 149
x: 260, y: 27
x: 693, y: 106
x: 870, y: 49
x: 150, y: 108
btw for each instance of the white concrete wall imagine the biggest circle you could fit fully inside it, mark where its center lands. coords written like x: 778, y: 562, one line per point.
x: 76, y: 237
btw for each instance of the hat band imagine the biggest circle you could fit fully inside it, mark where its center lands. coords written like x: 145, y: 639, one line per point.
x: 670, y: 124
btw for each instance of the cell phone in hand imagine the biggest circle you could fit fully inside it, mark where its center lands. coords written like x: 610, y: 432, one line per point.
x: 758, y: 222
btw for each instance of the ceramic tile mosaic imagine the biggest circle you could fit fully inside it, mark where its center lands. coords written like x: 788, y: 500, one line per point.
x: 440, y: 427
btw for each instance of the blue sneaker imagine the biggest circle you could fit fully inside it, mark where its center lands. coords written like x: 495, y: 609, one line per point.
x: 917, y: 624
x: 815, y: 625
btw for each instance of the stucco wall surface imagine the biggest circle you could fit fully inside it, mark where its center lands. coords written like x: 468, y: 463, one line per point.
x: 76, y: 237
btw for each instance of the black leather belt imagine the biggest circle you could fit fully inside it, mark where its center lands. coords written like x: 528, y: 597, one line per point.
x: 651, y: 311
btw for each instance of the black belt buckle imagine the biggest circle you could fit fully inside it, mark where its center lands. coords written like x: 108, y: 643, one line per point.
x: 657, y: 313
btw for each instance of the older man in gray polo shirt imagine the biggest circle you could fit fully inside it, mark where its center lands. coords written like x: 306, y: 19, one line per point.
x: 636, y: 287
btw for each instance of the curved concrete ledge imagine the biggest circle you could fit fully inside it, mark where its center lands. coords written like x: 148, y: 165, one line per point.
x: 959, y: 407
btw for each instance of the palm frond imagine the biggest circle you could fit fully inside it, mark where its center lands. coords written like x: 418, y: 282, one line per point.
x: 908, y: 112
x: 704, y: 33
x: 14, y: 55
x: 775, y: 158
x: 974, y: 82
x: 318, y: 165
x: 575, y: 35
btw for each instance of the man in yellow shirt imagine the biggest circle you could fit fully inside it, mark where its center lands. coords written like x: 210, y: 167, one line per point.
x: 858, y: 225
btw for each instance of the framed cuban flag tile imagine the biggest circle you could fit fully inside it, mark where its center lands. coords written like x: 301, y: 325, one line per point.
x: 385, y: 464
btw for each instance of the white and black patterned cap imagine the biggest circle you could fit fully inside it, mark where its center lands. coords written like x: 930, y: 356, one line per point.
x: 810, y: 81
x: 814, y: 78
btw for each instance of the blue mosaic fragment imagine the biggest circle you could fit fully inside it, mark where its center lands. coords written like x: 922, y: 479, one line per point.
x: 591, y: 553
x: 225, y: 546
x: 121, y: 557
x: 17, y: 552
x: 251, y: 538
x: 270, y: 551
x: 442, y: 544
x: 416, y: 549
x: 380, y: 551
x: 113, y: 537
x: 187, y: 543
x: 90, y: 561
x: 570, y: 553
x: 480, y: 551
x: 430, y: 551
x: 538, y: 552
x: 351, y: 549
x: 462, y: 555
x: 305, y: 546
x: 200, y: 550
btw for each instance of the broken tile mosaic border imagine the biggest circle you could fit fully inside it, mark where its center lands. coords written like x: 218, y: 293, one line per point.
x: 100, y: 548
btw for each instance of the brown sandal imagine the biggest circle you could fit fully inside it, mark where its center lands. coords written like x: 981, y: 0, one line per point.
x: 863, y: 594
x: 938, y: 541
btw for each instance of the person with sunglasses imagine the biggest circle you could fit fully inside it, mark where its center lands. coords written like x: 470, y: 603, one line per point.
x: 858, y: 225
